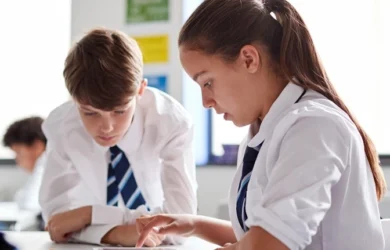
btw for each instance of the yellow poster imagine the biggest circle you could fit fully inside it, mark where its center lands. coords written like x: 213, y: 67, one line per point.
x: 154, y: 48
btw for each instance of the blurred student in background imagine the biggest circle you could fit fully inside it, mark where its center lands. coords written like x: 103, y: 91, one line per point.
x: 26, y: 139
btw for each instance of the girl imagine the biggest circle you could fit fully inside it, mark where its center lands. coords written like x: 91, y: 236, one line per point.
x: 308, y: 175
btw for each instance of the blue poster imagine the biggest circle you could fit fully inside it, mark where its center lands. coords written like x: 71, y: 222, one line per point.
x: 158, y: 82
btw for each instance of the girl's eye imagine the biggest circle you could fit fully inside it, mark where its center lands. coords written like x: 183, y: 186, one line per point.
x: 207, y: 85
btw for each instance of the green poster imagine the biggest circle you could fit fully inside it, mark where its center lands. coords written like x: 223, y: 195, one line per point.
x: 139, y: 11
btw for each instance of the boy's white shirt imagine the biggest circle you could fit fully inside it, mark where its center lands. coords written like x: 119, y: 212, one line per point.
x: 158, y: 146
x: 311, y: 186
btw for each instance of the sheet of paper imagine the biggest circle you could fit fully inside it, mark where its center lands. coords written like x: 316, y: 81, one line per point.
x: 134, y: 248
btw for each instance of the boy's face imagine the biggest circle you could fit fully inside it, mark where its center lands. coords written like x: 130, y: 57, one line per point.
x: 108, y: 127
x: 26, y: 156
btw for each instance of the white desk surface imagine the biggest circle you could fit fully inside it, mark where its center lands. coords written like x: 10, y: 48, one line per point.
x: 23, y: 219
x: 41, y: 241
x: 9, y: 211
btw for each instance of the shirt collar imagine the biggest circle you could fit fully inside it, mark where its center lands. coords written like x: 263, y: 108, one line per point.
x: 133, y: 137
x: 287, y: 97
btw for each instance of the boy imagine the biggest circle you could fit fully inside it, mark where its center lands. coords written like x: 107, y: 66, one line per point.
x: 117, y: 151
x: 26, y: 139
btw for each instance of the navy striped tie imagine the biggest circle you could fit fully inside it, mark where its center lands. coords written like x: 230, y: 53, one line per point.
x: 247, y: 167
x: 121, y: 181
x: 250, y: 157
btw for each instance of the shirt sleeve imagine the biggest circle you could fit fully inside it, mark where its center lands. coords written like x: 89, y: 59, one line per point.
x: 104, y: 218
x: 58, y: 193
x: 59, y: 182
x: 178, y: 175
x: 313, y: 155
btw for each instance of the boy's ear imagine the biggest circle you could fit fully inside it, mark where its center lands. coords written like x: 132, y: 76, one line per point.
x: 142, y: 87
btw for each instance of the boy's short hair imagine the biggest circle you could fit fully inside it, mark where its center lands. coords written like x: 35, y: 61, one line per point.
x: 25, y: 131
x: 104, y: 69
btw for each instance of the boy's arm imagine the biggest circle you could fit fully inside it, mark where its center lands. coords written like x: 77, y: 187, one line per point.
x: 178, y: 175
x: 60, y: 180
x: 59, y: 187
x: 178, y: 182
x: 58, y: 199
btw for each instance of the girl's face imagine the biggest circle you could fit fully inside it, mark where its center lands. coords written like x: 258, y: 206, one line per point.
x: 242, y: 91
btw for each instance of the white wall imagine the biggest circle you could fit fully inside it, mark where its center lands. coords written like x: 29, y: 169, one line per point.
x: 33, y: 46
x: 213, y: 186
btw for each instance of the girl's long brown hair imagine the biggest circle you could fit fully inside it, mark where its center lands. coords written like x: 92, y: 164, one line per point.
x: 223, y: 27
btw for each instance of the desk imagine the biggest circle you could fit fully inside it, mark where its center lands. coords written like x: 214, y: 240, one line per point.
x: 41, y: 241
x: 18, y: 219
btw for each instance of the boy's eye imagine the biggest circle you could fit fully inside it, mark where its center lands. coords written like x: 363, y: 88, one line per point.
x: 119, y: 112
x: 89, y: 113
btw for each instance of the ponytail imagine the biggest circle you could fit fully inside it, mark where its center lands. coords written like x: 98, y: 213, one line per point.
x: 223, y: 27
x: 299, y: 62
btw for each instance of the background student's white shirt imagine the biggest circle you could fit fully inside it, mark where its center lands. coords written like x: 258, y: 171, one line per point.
x: 311, y: 186
x: 158, y: 146
x: 27, y: 196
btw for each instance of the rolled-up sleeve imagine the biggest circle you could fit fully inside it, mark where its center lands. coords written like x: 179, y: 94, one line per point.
x: 104, y: 218
x: 313, y: 155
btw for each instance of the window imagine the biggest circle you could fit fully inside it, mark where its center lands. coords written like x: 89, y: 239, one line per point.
x: 35, y: 41
x: 352, y: 38
x: 192, y: 102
